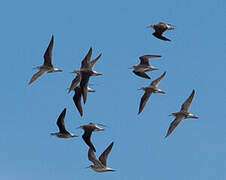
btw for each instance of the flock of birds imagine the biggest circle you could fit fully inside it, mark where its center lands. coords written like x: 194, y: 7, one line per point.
x: 80, y: 86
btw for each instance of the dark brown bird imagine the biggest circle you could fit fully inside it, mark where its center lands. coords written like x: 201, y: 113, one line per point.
x: 144, y: 66
x: 160, y: 28
x: 47, y: 66
x: 182, y: 114
x: 85, y: 72
x: 152, y: 88
x: 63, y: 133
x: 100, y: 164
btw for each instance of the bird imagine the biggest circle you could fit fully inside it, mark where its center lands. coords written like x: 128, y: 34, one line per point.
x: 47, y: 66
x: 152, y: 88
x: 86, y: 71
x: 144, y: 66
x: 100, y: 164
x: 77, y: 98
x: 160, y: 28
x: 63, y: 133
x: 88, y: 129
x: 182, y: 114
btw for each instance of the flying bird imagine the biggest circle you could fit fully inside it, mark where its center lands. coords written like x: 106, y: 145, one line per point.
x: 100, y: 164
x: 86, y: 70
x: 152, y: 88
x: 47, y: 66
x: 63, y: 133
x: 88, y: 129
x: 144, y: 66
x: 77, y: 98
x: 182, y: 114
x: 160, y: 28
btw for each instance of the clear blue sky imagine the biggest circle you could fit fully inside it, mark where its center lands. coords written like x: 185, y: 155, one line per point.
x: 195, y: 59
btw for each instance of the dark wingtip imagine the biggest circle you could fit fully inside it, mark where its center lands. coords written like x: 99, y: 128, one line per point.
x: 52, y: 37
x: 93, y: 148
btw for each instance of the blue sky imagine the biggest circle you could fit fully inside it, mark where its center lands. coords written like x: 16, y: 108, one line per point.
x: 195, y: 59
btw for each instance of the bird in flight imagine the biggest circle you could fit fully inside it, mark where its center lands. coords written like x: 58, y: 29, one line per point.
x: 88, y: 129
x: 182, y: 114
x: 160, y: 28
x: 144, y: 66
x: 63, y: 133
x: 100, y: 164
x: 152, y: 88
x: 47, y: 66
x: 86, y: 70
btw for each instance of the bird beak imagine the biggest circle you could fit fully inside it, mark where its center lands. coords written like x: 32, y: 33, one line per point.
x: 101, y: 125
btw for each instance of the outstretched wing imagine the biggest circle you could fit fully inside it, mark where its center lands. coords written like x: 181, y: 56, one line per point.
x: 93, y: 62
x: 93, y: 158
x: 86, y: 137
x: 77, y: 99
x: 144, y: 60
x: 158, y: 34
x: 103, y: 157
x: 74, y: 83
x: 144, y: 100
x: 173, y: 125
x: 84, y: 84
x: 185, y: 106
x: 86, y: 61
x: 156, y: 81
x: 48, y: 54
x: 141, y: 74
x: 36, y: 76
x: 60, y: 122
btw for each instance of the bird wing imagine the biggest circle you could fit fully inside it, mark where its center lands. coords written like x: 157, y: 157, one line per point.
x: 144, y: 100
x: 156, y: 81
x: 77, y: 99
x: 84, y: 84
x: 86, y: 137
x: 48, y: 54
x: 141, y: 74
x: 93, y: 62
x: 174, y: 124
x: 158, y: 34
x: 86, y: 61
x: 92, y: 157
x: 185, y: 106
x: 144, y: 60
x: 60, y: 122
x: 36, y: 75
x: 103, y: 157
x: 74, y: 83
